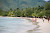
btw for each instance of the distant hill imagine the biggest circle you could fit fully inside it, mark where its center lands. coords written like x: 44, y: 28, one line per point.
x: 7, y: 4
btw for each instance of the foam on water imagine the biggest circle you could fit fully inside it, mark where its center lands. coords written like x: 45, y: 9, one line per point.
x: 15, y: 25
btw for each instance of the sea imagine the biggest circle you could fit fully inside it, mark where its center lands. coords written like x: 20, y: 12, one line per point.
x: 15, y: 25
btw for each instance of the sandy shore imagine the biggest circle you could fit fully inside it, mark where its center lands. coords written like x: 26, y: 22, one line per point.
x: 44, y: 26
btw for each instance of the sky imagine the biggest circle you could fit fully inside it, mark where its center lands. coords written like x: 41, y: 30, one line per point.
x: 46, y: 0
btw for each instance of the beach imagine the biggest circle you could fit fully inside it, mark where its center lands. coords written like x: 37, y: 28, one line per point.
x: 44, y: 26
x: 15, y: 25
x: 39, y: 27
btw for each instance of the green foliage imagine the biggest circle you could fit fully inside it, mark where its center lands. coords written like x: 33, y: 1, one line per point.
x: 47, y: 6
x: 11, y: 13
x: 28, y: 12
x: 3, y: 13
x: 47, y: 13
x: 20, y: 3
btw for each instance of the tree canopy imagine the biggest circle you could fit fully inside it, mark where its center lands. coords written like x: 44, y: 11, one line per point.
x: 39, y: 11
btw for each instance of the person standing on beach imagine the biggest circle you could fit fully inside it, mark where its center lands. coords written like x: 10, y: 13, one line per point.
x: 35, y: 20
x: 48, y: 19
x: 43, y: 19
x: 32, y: 20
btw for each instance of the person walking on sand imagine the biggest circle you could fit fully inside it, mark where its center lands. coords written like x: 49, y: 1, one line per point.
x: 43, y: 19
x: 48, y: 19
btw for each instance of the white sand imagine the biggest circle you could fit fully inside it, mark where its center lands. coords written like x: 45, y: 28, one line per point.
x: 44, y: 26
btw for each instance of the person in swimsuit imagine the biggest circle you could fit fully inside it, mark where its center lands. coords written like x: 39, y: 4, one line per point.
x: 35, y: 20
x: 32, y: 20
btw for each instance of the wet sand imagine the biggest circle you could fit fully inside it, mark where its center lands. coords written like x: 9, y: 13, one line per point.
x: 42, y: 27
x: 35, y: 30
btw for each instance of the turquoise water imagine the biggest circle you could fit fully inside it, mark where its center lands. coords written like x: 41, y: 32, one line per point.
x: 14, y: 25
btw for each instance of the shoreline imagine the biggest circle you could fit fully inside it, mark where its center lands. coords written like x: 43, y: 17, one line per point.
x: 21, y: 17
x: 35, y: 29
x: 42, y: 27
x: 27, y: 18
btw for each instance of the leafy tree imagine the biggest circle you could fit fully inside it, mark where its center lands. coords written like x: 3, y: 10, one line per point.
x: 47, y: 6
x: 47, y: 13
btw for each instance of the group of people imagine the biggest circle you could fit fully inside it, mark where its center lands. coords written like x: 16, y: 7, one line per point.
x: 35, y: 19
x: 47, y: 19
